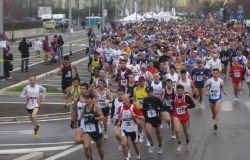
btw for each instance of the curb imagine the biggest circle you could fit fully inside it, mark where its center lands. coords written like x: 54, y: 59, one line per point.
x: 41, y: 76
x: 39, y: 117
x: 32, y: 156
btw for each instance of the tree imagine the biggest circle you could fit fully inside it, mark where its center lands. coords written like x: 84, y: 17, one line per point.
x: 122, y: 4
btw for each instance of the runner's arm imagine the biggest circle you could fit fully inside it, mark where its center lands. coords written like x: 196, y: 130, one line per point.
x: 138, y: 114
x: 43, y: 91
x: 99, y: 112
x: 24, y: 93
x: 112, y: 109
x: 110, y: 96
x: 75, y: 69
x: 189, y: 102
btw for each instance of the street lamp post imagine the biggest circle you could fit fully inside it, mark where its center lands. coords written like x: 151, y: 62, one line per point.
x: 70, y: 27
x: 1, y: 49
x: 103, y: 17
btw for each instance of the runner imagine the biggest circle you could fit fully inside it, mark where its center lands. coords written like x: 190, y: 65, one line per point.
x: 104, y: 97
x: 71, y: 95
x: 151, y: 111
x: 172, y: 75
x: 167, y: 97
x: 199, y: 76
x: 66, y: 70
x: 248, y: 75
x: 79, y: 107
x: 108, y: 82
x: 214, y: 63
x: 135, y: 68
x: 224, y: 57
x: 236, y: 72
x: 31, y: 94
x: 213, y: 89
x: 181, y: 117
x: 157, y: 85
x: 122, y: 75
x: 129, y: 117
x: 185, y: 82
x: 116, y: 104
x: 92, y: 116
x: 139, y: 95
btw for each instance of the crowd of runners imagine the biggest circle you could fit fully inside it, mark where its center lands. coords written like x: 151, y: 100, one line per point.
x: 163, y: 69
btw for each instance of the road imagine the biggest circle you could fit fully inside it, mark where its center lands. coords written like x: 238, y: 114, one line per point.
x: 230, y: 142
x: 79, y: 41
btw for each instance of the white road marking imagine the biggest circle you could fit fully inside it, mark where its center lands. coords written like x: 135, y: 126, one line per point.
x: 29, y: 150
x: 83, y: 45
x: 43, y: 61
x: 227, y: 106
x: 59, y: 119
x: 53, y: 80
x: 55, y: 85
x: 64, y: 153
x: 25, y: 132
x: 36, y: 144
x: 53, y: 103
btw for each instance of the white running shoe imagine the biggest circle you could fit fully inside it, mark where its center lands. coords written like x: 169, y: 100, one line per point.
x: 161, y: 126
x: 148, y: 143
x: 138, y: 157
x: 173, y: 136
x: 141, y: 137
x: 151, y: 149
x: 236, y: 99
x: 106, y: 136
x: 179, y: 148
x: 160, y: 150
x: 92, y: 142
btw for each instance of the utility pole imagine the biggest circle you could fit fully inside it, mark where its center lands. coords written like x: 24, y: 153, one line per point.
x: 70, y: 27
x: 1, y: 49
x: 103, y: 17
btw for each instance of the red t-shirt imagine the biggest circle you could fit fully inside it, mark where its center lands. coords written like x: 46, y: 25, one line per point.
x: 135, y: 110
x: 236, y: 72
x: 152, y: 70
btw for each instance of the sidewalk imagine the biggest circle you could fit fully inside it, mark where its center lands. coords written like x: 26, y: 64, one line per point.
x: 37, y: 70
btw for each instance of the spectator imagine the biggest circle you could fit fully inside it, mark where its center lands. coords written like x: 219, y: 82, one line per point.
x: 37, y: 46
x: 92, y: 37
x: 8, y: 58
x: 46, y: 49
x: 60, y: 45
x: 25, y: 54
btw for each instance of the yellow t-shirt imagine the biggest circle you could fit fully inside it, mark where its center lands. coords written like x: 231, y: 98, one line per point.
x: 139, y: 95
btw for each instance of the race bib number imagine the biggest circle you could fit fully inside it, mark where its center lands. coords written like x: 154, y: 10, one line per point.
x: 174, y: 84
x: 168, y: 102
x: 214, y: 94
x: 90, y: 128
x: 180, y: 111
x: 124, y: 82
x: 236, y: 74
x: 199, y: 78
x: 108, y: 58
x: 135, y: 73
x: 102, y: 103
x: 151, y: 113
x: 68, y: 74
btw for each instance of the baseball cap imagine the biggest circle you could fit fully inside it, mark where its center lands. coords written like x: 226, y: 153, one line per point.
x: 89, y: 95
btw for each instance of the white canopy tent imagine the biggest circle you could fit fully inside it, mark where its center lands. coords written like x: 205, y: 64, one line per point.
x: 133, y: 18
x: 149, y: 15
x: 163, y: 15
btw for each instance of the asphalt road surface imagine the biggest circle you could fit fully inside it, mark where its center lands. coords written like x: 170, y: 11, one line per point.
x: 79, y: 41
x: 230, y: 142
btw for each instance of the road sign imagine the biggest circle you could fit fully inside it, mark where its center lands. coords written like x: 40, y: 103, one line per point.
x: 105, y: 13
x: 3, y: 40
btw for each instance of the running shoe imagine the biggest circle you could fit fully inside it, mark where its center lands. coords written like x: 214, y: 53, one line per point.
x: 151, y: 149
x: 173, y: 136
x: 141, y: 137
x: 138, y: 157
x: 160, y: 150
x: 148, y: 143
x: 215, y: 127
x: 105, y: 136
x: 187, y: 147
x: 179, y: 147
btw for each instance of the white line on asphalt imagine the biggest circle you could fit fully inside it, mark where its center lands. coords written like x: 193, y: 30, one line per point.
x: 64, y: 153
x: 53, y: 80
x: 53, y: 103
x: 29, y: 150
x: 59, y: 119
x: 43, y: 61
x: 55, y: 85
x: 25, y: 132
x: 36, y: 144
x: 227, y: 106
